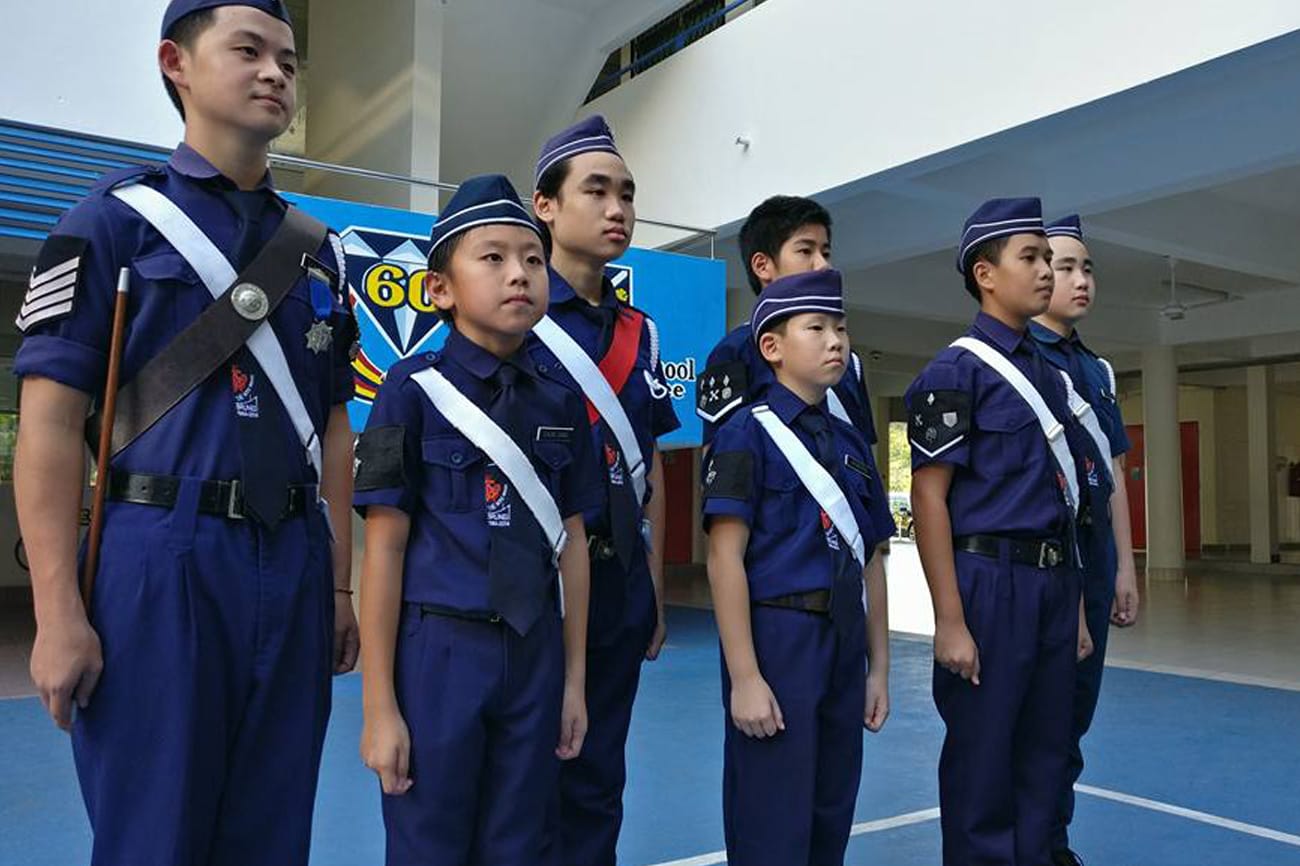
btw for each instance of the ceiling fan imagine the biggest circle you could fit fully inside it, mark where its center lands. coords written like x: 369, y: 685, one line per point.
x: 1176, y: 309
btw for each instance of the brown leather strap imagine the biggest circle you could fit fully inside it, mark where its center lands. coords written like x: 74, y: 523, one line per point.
x: 211, y: 339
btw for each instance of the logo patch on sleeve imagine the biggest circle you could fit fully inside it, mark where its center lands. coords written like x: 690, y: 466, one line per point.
x: 729, y: 475
x: 56, y: 278
x: 939, y: 421
x: 720, y: 389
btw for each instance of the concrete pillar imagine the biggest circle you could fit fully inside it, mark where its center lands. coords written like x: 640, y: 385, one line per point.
x: 1164, y: 471
x: 376, y: 98
x: 880, y: 417
x: 1261, y: 434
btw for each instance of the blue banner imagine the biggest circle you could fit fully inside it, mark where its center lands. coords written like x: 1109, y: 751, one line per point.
x: 387, y: 251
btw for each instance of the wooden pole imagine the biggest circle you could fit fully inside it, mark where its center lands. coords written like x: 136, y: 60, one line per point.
x: 105, y: 453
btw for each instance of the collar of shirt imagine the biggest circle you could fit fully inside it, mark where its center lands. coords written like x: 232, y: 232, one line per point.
x: 478, y: 361
x: 188, y: 162
x: 788, y: 405
x: 1006, y: 338
x: 563, y: 293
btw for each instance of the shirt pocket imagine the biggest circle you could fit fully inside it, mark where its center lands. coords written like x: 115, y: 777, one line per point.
x: 780, y: 492
x: 1008, y: 430
x: 172, y: 295
x: 453, y: 473
x: 553, y: 459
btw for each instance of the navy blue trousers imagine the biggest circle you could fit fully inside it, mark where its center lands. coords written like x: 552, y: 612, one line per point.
x: 589, y: 810
x: 1100, y: 563
x: 788, y: 800
x: 482, y: 705
x: 1004, y: 756
x: 202, y: 742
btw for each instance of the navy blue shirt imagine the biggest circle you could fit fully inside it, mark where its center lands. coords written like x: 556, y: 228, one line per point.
x: 738, y: 346
x: 69, y: 316
x: 412, y: 458
x: 793, y: 547
x: 644, y: 397
x: 1091, y: 378
x: 962, y: 412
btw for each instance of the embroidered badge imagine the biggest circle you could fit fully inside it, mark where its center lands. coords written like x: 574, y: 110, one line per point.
x: 828, y: 528
x: 1090, y: 468
x: 615, y: 466
x: 320, y: 336
x: 720, y: 389
x: 496, y: 496
x: 245, y: 399
x: 940, y: 422
x: 55, y: 279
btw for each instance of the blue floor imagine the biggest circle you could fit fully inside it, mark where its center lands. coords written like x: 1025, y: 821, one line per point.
x: 1227, y: 750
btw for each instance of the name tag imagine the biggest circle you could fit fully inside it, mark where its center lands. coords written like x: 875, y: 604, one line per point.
x: 858, y: 466
x: 554, y: 434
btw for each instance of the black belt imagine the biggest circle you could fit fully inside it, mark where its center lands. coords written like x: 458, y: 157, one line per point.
x: 816, y: 601
x: 457, y: 613
x: 600, y: 547
x: 1040, y: 552
x: 223, y: 498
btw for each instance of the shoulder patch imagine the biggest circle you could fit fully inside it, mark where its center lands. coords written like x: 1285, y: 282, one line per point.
x: 52, y: 290
x: 729, y: 475
x: 721, y: 388
x: 381, y: 459
x: 939, y: 420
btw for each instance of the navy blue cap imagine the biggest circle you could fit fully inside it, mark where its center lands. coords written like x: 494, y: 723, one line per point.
x: 585, y: 136
x: 1066, y: 227
x: 178, y: 9
x: 807, y: 292
x: 998, y: 218
x: 485, y: 200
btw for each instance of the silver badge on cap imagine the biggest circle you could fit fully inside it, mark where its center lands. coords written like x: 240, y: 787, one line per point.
x: 250, y: 302
x: 320, y: 336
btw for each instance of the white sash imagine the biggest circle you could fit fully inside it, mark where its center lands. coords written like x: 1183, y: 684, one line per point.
x: 1052, y: 429
x: 218, y: 275
x: 1083, y: 411
x: 478, y: 428
x: 597, y: 389
x: 815, y: 479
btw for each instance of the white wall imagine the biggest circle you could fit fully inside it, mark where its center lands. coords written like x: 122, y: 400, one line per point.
x: 861, y: 87
x: 87, y: 65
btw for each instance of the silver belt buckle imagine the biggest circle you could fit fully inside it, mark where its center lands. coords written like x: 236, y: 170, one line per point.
x: 231, y: 511
x: 1048, y: 557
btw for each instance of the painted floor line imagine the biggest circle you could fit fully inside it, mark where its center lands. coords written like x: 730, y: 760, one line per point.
x: 1192, y: 815
x: 905, y: 820
x: 1203, y: 674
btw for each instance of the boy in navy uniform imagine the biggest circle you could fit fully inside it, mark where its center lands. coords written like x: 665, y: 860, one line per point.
x: 786, y: 505
x: 1105, y: 536
x: 995, y: 490
x: 473, y: 474
x: 200, y: 673
x: 782, y: 236
x: 609, y: 351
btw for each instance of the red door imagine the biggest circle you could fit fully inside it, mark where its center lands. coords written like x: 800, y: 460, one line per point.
x: 1136, y: 469
x: 679, y: 496
x: 1189, y: 434
x: 1190, y: 443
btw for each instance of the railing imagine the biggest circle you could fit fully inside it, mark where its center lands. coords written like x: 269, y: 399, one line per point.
x: 608, y: 82
x: 43, y: 172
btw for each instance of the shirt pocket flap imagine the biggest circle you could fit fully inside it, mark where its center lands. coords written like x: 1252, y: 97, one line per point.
x: 1005, y: 417
x: 451, y: 452
x: 165, y: 265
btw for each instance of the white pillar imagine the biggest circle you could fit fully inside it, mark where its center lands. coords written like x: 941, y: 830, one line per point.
x: 1261, y: 448
x: 1164, y: 479
x: 880, y: 417
x: 376, y: 98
